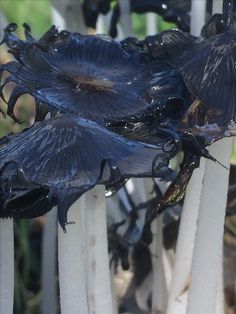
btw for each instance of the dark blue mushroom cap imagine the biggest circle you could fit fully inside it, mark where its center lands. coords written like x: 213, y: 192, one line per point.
x: 207, y: 67
x: 91, y: 76
x: 209, y: 72
x: 69, y: 155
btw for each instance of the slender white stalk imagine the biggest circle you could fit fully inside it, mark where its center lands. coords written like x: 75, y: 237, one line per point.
x: 113, y: 291
x: 209, y: 239
x: 159, y: 292
x: 100, y: 27
x: 57, y: 17
x: 217, y: 6
x: 168, y: 267
x: 6, y: 266
x: 125, y: 18
x: 198, y: 9
x: 138, y: 189
x: 49, y: 260
x: 72, y: 260
x: 159, y: 286
x: 142, y: 293
x: 3, y: 24
x: 187, y: 232
x: 144, y: 188
x: 68, y: 14
x: 151, y: 23
x: 220, y: 290
x: 6, y: 245
x: 97, y: 261
x: 185, y: 244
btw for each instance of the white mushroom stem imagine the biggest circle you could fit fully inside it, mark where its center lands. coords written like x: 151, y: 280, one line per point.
x: 185, y: 244
x: 68, y: 14
x: 125, y: 18
x: 151, y: 23
x: 198, y: 9
x: 177, y: 301
x: 159, y: 286
x: 6, y: 245
x: 49, y: 260
x: 209, y: 240
x: 98, y: 283
x: 83, y: 258
x: 72, y: 261
x: 113, y: 290
x: 6, y: 266
x: 159, y: 289
x: 220, y: 290
x: 217, y: 6
x: 143, y: 191
x: 207, y: 256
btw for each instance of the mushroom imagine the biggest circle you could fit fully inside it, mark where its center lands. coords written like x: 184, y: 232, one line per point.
x: 59, y: 159
x: 64, y: 73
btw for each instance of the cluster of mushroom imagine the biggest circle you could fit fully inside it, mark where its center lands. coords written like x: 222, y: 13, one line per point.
x: 117, y: 110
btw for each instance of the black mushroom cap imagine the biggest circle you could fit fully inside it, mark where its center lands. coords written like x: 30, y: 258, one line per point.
x: 19, y: 197
x: 208, y: 69
x: 69, y: 155
x: 209, y: 72
x: 91, y: 76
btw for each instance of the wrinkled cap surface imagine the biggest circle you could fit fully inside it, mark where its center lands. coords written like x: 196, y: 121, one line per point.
x: 209, y: 71
x: 70, y: 155
x: 91, y: 76
x: 207, y: 67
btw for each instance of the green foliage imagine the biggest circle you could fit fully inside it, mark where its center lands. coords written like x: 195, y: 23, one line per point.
x: 139, y: 24
x: 27, y: 294
x: 162, y: 25
x: 34, y: 12
x: 234, y: 154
